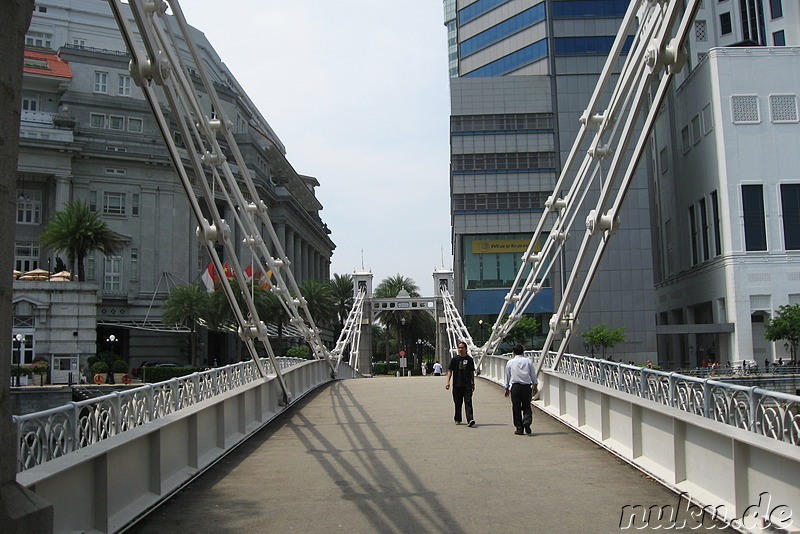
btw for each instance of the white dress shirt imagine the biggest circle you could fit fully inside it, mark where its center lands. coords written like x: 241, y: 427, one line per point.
x: 520, y: 370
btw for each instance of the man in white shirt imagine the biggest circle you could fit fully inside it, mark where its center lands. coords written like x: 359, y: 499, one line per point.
x: 521, y: 386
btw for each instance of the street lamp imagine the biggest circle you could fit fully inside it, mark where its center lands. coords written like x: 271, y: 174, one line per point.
x: 480, y: 325
x: 112, y: 339
x: 21, y: 347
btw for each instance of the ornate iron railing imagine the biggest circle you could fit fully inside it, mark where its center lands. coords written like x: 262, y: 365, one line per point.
x: 769, y: 413
x: 46, y: 435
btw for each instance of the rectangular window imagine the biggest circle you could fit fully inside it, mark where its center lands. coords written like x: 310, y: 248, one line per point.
x: 135, y: 204
x: 783, y: 108
x: 92, y: 200
x: 725, y: 25
x: 100, y: 82
x: 700, y: 30
x: 755, y: 227
x: 704, y: 229
x: 716, y: 223
x: 96, y: 120
x: 26, y: 256
x: 124, y: 87
x: 779, y: 38
x: 708, y: 119
x: 29, y: 207
x: 116, y: 123
x: 686, y: 141
x: 90, y: 265
x: 663, y: 160
x: 744, y: 109
x: 135, y: 125
x: 134, y: 263
x: 790, y: 206
x: 39, y: 39
x: 776, y: 9
x: 696, y: 131
x: 30, y: 102
x: 693, y: 233
x: 22, y: 351
x: 113, y: 203
x: 79, y: 43
x: 112, y: 274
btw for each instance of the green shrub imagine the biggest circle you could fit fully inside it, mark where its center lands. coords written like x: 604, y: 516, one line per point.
x: 120, y: 366
x: 160, y: 374
x: 21, y: 370
x: 379, y: 368
x: 100, y: 367
x: 299, y: 352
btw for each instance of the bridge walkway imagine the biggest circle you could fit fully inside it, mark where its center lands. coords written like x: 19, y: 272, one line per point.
x: 383, y: 455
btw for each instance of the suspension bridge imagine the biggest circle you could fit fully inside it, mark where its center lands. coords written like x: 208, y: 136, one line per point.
x: 108, y: 463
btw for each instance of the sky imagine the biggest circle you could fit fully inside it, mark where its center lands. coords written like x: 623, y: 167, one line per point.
x: 357, y: 91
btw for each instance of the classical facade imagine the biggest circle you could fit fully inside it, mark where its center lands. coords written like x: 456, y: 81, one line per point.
x: 87, y: 134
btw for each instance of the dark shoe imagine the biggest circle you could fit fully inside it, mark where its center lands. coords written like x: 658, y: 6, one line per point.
x: 528, y: 429
x: 471, y: 423
x: 518, y: 432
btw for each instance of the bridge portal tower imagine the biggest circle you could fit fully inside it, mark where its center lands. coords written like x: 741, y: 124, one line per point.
x: 362, y: 281
x: 442, y: 279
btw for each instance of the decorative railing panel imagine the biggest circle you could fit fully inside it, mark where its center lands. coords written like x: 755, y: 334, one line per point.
x: 50, y: 434
x: 769, y: 413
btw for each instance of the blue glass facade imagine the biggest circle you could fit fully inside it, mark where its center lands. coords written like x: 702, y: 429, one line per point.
x: 513, y: 61
x: 599, y: 45
x: 477, y: 9
x: 496, y: 33
x: 589, y: 8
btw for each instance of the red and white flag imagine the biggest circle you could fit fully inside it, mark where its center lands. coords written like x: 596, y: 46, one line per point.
x: 248, y: 274
x: 210, y: 277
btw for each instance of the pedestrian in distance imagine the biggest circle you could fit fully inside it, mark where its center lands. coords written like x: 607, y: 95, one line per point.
x: 462, y: 372
x: 437, y: 369
x: 521, y: 385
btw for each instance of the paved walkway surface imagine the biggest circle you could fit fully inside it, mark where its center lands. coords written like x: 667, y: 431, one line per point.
x: 383, y: 455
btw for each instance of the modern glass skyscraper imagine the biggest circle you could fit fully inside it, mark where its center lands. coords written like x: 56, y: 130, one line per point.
x: 522, y: 72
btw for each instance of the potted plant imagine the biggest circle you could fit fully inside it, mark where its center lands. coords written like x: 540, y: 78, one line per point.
x: 100, y: 369
x: 40, y: 368
x: 119, y: 367
x: 20, y: 375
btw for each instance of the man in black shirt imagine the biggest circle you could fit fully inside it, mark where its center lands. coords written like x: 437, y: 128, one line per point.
x: 462, y: 372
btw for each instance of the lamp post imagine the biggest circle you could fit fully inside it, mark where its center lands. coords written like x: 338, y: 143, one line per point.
x: 20, y: 349
x: 480, y: 326
x: 112, y: 339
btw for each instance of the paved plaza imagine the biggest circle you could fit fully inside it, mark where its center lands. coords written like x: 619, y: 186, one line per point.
x: 383, y: 455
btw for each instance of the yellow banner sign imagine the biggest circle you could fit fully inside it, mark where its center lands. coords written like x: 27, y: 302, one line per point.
x: 499, y: 246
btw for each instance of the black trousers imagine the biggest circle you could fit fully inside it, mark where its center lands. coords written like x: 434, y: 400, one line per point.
x: 521, y: 395
x: 462, y: 394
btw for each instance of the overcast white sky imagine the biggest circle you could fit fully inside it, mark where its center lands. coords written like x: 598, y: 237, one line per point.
x: 357, y: 90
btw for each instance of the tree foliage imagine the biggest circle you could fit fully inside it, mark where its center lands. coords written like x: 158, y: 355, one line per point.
x: 785, y: 326
x: 524, y: 330
x: 603, y: 337
x: 76, y: 231
x: 187, y: 306
x: 342, y: 293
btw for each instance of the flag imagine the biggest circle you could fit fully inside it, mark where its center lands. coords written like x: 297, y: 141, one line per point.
x: 210, y: 277
x: 248, y: 274
x: 263, y: 279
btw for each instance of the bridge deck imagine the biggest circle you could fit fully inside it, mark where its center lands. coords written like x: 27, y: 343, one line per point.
x: 383, y: 455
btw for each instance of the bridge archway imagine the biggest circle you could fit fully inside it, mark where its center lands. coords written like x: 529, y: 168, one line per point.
x: 362, y: 281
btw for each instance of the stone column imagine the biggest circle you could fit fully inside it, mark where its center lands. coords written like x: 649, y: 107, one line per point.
x: 288, y: 248
x: 298, y: 262
x: 63, y: 192
x: 21, y: 510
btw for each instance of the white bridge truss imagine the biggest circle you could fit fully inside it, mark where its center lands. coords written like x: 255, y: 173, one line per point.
x: 614, y: 130
x: 204, y: 166
x: 351, y: 333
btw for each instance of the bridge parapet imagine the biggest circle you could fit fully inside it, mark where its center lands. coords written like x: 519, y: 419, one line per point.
x: 726, y: 447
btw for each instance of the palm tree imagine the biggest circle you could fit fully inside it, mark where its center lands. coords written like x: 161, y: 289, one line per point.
x: 77, y: 231
x: 342, y: 293
x: 186, y: 306
x: 319, y: 301
x: 403, y: 323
